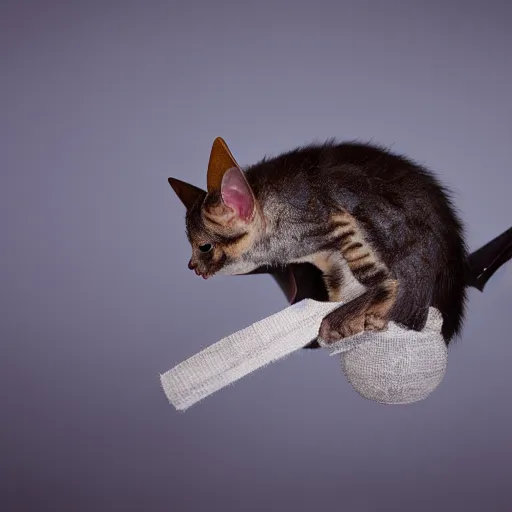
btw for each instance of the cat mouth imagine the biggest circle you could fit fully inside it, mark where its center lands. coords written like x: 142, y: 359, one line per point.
x: 204, y: 275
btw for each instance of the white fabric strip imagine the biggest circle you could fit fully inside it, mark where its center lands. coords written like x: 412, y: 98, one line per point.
x: 243, y: 352
x: 393, y: 366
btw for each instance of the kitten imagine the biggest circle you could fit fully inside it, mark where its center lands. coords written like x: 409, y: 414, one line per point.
x: 352, y: 210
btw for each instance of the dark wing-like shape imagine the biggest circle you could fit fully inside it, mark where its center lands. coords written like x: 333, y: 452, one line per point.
x: 484, y: 262
x: 298, y: 281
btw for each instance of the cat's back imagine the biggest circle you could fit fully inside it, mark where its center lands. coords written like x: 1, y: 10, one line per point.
x: 347, y: 172
x: 406, y: 212
x: 331, y: 158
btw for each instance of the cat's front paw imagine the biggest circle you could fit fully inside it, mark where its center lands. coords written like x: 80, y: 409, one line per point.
x: 331, y: 330
x: 375, y: 322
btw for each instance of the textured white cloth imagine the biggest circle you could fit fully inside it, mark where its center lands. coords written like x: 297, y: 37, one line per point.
x: 243, y: 352
x: 392, y: 366
x: 396, y: 366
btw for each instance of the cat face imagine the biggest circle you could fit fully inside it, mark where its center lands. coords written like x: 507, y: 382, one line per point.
x: 222, y: 225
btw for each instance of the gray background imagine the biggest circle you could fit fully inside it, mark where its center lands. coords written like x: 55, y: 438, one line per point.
x: 100, y: 103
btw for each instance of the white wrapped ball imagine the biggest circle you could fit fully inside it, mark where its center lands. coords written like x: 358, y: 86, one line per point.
x: 395, y: 366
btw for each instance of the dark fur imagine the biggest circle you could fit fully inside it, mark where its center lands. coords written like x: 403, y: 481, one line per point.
x: 386, y: 217
x: 405, y: 211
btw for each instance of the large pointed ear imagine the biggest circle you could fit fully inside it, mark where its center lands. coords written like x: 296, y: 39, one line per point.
x: 187, y: 193
x: 221, y: 160
x: 236, y: 193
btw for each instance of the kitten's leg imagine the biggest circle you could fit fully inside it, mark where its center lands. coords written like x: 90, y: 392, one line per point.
x: 370, y: 311
x: 367, y: 312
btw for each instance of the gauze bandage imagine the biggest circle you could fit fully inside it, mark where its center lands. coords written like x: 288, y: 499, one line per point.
x: 395, y: 366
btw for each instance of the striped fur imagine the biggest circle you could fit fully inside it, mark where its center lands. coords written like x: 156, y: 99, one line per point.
x: 352, y: 210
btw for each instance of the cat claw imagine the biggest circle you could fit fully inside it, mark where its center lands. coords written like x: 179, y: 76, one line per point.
x: 345, y: 330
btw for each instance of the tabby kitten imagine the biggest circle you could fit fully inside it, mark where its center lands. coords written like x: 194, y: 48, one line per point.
x: 352, y: 210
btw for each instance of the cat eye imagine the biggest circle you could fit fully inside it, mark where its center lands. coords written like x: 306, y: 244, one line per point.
x: 206, y: 247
